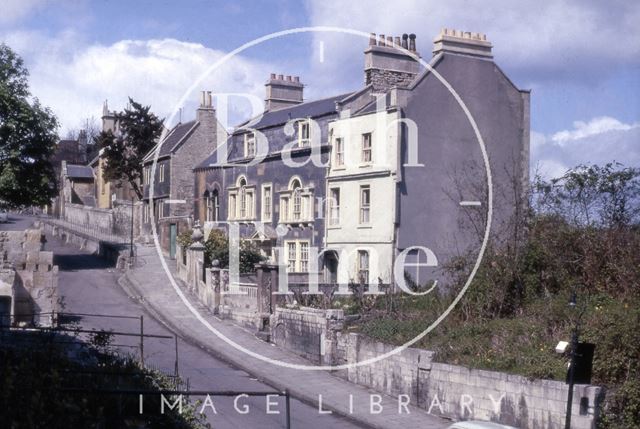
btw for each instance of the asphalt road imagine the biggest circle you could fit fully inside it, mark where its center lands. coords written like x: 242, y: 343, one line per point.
x: 16, y: 223
x: 88, y: 285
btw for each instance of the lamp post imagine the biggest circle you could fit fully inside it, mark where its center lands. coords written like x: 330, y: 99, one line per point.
x: 572, y: 365
x: 131, y: 238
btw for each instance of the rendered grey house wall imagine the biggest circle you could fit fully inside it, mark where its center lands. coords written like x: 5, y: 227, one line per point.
x: 429, y: 196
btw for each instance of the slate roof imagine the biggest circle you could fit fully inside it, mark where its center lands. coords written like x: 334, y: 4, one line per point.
x: 79, y: 171
x: 172, y: 140
x: 310, y: 109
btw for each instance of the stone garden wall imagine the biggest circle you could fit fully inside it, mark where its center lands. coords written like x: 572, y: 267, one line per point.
x: 448, y: 390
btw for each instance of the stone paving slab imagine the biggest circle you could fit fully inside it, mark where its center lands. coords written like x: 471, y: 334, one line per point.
x: 149, y: 283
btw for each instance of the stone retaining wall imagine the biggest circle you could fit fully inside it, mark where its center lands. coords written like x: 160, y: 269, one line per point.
x: 451, y: 391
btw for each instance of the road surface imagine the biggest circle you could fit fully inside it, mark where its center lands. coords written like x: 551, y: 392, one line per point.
x: 89, y: 285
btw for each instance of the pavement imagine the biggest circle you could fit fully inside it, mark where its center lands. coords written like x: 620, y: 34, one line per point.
x: 148, y: 283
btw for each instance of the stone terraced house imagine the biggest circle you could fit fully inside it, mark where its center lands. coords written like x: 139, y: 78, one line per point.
x: 392, y: 169
x: 172, y: 199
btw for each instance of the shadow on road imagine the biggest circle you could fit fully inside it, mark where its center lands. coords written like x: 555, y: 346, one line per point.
x: 76, y: 262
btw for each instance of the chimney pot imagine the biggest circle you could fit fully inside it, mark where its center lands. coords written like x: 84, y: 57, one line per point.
x: 202, y: 98
x: 296, y: 79
x: 280, y: 77
x: 412, y: 42
x: 397, y: 43
x: 405, y: 45
x: 372, y: 39
x: 381, y: 40
x: 209, y: 100
x: 390, y: 41
x: 273, y: 76
x: 289, y: 78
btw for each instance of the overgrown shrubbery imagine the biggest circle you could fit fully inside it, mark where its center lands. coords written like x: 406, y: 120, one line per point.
x: 38, y: 371
x: 217, y: 249
x: 583, y: 234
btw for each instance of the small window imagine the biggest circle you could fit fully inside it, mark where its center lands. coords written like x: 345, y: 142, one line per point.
x: 249, y: 145
x: 303, y: 133
x: 297, y: 201
x: 284, y: 209
x: 215, y: 203
x: 338, y: 147
x: 366, y: 148
x: 291, y: 256
x: 232, y: 206
x: 304, y: 256
x: 266, y: 203
x: 365, y: 204
x: 334, y: 207
x: 363, y: 266
x: 161, y: 174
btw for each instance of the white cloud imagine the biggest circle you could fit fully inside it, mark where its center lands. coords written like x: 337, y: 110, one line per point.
x: 585, y: 129
x: 572, y: 39
x: 14, y: 10
x: 74, y: 79
x: 598, y: 141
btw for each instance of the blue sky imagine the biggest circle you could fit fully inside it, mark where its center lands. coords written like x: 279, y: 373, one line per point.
x: 581, y: 58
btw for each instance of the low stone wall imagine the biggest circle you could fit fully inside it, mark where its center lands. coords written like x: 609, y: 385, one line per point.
x: 114, y: 222
x: 448, y: 390
x: 308, y: 332
x: 116, y: 253
x: 211, y: 285
x: 99, y: 220
x: 510, y: 399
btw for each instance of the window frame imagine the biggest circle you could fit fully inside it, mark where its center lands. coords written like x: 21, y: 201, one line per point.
x: 297, y: 264
x: 303, y: 125
x: 364, y: 150
x: 359, y: 266
x: 338, y: 145
x: 365, y: 208
x: 267, y: 203
x: 334, y: 206
x: 249, y: 143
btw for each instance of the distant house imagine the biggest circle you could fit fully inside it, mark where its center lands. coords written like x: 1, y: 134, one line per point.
x: 171, y: 204
x: 107, y: 192
x: 71, y: 151
x: 76, y: 184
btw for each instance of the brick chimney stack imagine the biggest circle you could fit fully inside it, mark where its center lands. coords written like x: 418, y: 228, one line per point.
x: 462, y: 42
x: 282, y: 92
x: 387, y: 63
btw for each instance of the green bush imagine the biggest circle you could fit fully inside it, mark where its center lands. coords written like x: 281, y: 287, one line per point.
x: 217, y: 248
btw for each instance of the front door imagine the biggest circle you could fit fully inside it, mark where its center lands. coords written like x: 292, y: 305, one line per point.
x: 331, y: 267
x: 173, y: 235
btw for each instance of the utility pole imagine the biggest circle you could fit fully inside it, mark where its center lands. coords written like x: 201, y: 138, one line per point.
x: 142, y: 340
x: 131, y: 238
x: 572, y: 365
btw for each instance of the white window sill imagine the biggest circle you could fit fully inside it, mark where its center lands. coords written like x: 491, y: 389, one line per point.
x: 365, y: 226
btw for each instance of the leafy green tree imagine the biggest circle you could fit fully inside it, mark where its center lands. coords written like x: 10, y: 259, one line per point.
x: 217, y: 248
x: 27, y: 138
x: 138, y: 132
